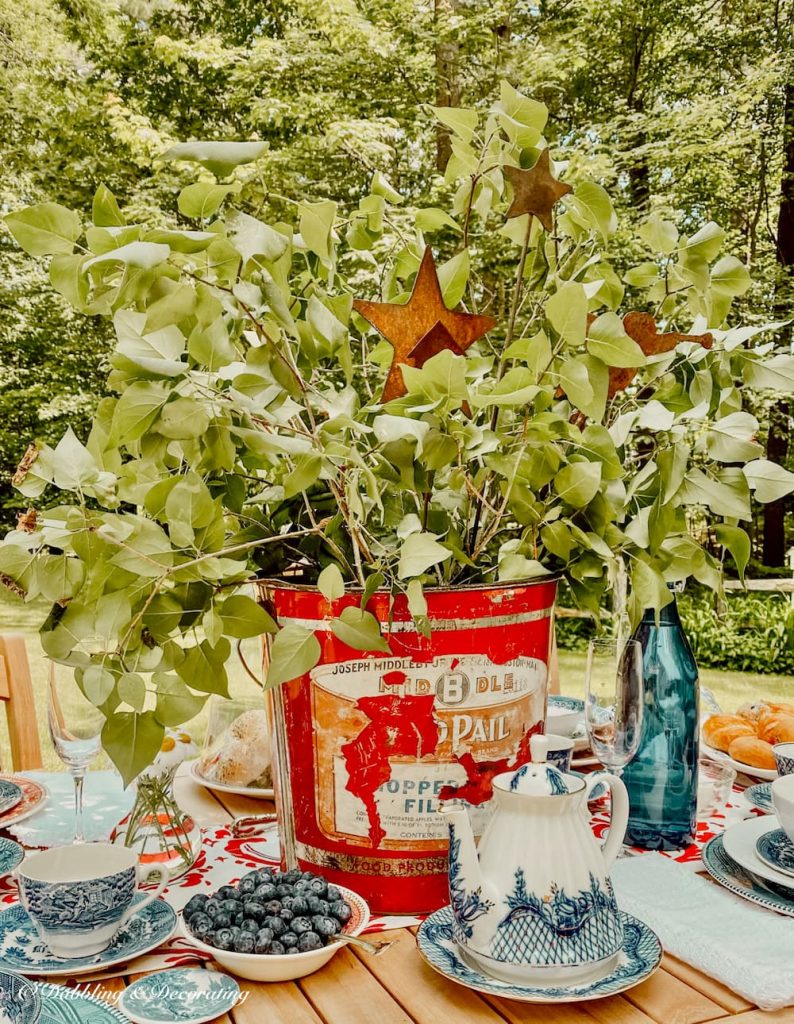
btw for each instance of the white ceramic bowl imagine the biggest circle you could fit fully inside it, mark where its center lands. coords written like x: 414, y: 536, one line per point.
x: 261, y: 967
x: 563, y: 714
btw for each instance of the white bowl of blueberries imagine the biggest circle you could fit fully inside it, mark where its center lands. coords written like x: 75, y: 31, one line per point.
x: 274, y: 925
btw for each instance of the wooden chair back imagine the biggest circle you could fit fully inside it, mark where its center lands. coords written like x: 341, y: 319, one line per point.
x: 16, y: 692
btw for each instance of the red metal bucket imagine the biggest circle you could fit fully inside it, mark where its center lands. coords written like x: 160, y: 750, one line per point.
x: 367, y: 744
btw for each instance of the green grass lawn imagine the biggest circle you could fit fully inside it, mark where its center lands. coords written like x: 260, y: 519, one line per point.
x: 730, y: 688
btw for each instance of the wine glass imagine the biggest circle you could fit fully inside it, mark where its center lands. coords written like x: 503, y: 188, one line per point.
x: 614, y: 700
x: 76, y: 731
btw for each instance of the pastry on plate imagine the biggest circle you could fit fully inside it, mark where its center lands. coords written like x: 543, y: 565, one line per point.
x: 750, y: 750
x: 241, y: 755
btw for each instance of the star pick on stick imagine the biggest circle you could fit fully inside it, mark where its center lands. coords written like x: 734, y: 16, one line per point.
x: 421, y: 327
x: 535, y: 191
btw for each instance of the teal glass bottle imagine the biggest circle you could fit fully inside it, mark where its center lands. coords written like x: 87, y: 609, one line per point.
x: 662, y: 779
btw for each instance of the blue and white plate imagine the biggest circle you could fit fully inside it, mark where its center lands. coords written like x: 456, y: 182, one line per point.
x: 776, y: 849
x: 20, y: 1000
x: 641, y: 955
x: 11, y: 855
x: 22, y: 950
x: 10, y: 795
x: 725, y: 870
x: 561, y: 703
x: 760, y: 796
x: 62, y: 1005
x: 182, y: 996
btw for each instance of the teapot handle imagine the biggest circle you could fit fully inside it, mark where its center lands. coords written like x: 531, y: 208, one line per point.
x: 620, y: 813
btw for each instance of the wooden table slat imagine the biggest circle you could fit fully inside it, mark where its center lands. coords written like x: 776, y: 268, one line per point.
x: 345, y: 993
x: 277, y: 1002
x: 669, y: 1000
x: 709, y: 987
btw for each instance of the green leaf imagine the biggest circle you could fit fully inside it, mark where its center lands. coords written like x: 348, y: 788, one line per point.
x: 730, y: 276
x: 574, y: 380
x: 418, y: 553
x: 737, y: 542
x: 523, y: 119
x: 517, y: 387
x: 453, y: 276
x: 381, y: 187
x: 203, y: 667
x: 293, y: 652
x: 768, y: 480
x: 705, y: 243
x: 136, y: 410
x: 567, y: 312
x: 132, y: 741
x: 203, y: 199
x: 441, y: 379
x: 417, y: 602
x: 316, y: 224
x: 659, y: 235
x: 156, y: 352
x: 535, y: 352
x: 324, y: 323
x: 359, y: 629
x: 145, y: 255
x: 776, y: 373
x: 182, y: 241
x: 182, y: 419
x: 594, y: 203
x: 331, y: 583
x: 642, y: 276
x: 558, y: 539
x: 723, y: 499
x: 517, y: 567
x: 175, y: 703
x: 648, y: 590
x: 306, y: 472
x: 220, y: 158
x: 59, y: 576
x: 46, y: 229
x: 608, y: 341
x: 578, y: 483
x: 730, y: 439
x: 431, y: 218
x: 67, y: 278
x: 132, y: 690
x: 460, y: 120
x: 243, y: 617
x: 105, y: 211
x: 97, y: 684
x: 252, y: 237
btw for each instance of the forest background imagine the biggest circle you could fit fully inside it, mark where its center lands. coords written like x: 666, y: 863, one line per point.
x: 683, y: 108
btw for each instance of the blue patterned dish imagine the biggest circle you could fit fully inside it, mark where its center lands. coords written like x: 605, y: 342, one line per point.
x: 22, y: 950
x: 10, y: 795
x: 62, y: 1005
x: 733, y: 876
x: 760, y: 796
x: 11, y: 856
x: 182, y: 996
x: 639, y: 958
x: 20, y: 1001
x: 777, y: 850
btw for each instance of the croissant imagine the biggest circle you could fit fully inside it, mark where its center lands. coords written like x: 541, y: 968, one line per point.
x: 752, y: 751
x: 775, y: 728
x: 720, y: 730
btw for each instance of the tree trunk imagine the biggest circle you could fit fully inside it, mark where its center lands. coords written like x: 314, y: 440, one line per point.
x: 447, y: 84
x: 774, y: 549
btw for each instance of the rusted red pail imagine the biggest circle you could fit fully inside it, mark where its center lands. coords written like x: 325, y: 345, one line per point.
x: 367, y: 744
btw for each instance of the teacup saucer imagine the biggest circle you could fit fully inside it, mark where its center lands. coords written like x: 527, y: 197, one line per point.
x: 740, y: 840
x: 10, y: 795
x: 11, y: 856
x: 776, y: 849
x: 760, y: 796
x: 186, y: 995
x: 60, y: 1004
x: 641, y: 955
x: 22, y: 950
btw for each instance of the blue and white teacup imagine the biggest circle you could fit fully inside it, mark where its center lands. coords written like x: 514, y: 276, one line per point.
x: 784, y: 758
x: 78, y: 897
x: 560, y: 752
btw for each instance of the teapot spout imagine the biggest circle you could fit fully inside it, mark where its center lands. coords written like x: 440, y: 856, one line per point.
x: 464, y: 864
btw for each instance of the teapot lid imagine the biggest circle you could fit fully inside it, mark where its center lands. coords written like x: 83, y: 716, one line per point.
x: 538, y: 777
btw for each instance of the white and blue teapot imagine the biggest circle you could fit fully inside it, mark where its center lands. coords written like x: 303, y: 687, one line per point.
x: 535, y: 904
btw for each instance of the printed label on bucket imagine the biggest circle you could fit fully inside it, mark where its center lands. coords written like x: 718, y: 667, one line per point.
x: 413, y: 735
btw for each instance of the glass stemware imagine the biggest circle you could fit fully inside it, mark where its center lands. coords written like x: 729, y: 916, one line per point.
x: 614, y: 700
x: 76, y: 731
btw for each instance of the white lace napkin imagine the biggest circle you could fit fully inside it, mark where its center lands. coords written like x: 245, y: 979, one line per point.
x: 747, y: 948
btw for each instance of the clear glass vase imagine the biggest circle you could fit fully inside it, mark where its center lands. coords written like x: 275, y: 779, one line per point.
x: 157, y: 828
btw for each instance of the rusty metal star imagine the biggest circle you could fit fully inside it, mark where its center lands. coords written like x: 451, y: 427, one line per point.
x: 535, y: 191
x: 421, y: 327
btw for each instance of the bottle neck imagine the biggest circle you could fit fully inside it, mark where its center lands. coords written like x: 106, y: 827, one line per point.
x: 668, y: 616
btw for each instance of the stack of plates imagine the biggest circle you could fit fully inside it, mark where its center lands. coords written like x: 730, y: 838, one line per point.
x: 755, y: 860
x: 565, y: 717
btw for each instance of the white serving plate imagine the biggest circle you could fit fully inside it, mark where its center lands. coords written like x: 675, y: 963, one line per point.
x: 223, y: 787
x: 739, y: 841
x: 767, y: 774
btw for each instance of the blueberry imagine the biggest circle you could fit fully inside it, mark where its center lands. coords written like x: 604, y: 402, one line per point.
x: 299, y: 906
x: 284, y: 890
x: 235, y: 930
x: 265, y: 876
x: 293, y: 876
x: 222, y: 920
x: 223, y: 938
x: 289, y: 939
x: 309, y: 941
x: 227, y: 892
x: 262, y: 941
x: 314, y: 904
x: 333, y: 894
x: 292, y: 950
x: 276, y: 925
x: 302, y: 885
x: 212, y: 907
x: 319, y: 886
x: 252, y: 876
x: 308, y: 876
x: 273, y: 907
x: 286, y: 914
x: 246, y: 887
x: 244, y: 943
x: 301, y: 925
x: 265, y: 892
x: 230, y: 906
x: 254, y: 909
x: 238, y: 918
x: 194, y: 905
x: 276, y: 949
x: 326, y: 926
x: 250, y: 925
x: 200, y: 924
x: 341, y: 911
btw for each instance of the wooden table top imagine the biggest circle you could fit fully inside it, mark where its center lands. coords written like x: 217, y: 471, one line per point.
x: 399, y: 988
